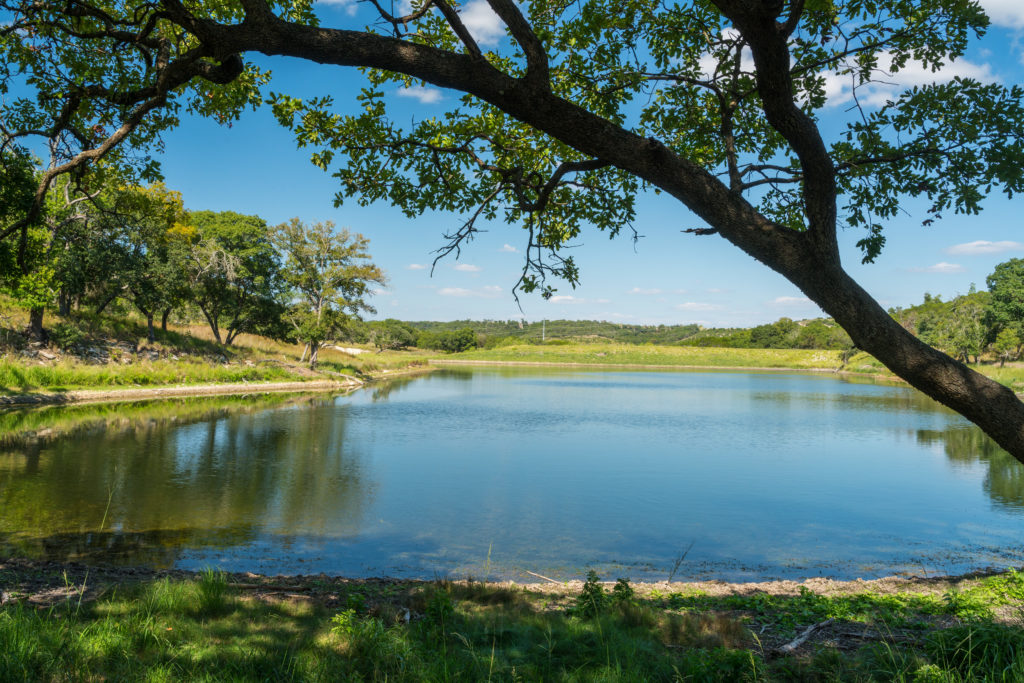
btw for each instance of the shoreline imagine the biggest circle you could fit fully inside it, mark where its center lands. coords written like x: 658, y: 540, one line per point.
x: 65, y: 573
x: 129, y: 394
x: 645, y: 366
x: 49, y: 398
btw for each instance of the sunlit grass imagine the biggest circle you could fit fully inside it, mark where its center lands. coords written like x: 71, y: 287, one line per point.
x: 204, y: 629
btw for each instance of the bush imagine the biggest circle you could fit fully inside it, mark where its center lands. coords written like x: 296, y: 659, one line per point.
x: 67, y: 335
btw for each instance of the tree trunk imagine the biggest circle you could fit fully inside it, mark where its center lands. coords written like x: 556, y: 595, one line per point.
x: 164, y: 317
x: 63, y: 302
x: 150, y: 335
x: 990, y: 405
x: 35, y: 324
x: 214, y: 327
x: 314, y: 355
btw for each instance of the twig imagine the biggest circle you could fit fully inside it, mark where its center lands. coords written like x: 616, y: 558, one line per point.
x: 799, y: 640
x: 541, y: 577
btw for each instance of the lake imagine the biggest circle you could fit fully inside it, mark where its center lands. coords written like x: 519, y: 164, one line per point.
x: 496, y: 472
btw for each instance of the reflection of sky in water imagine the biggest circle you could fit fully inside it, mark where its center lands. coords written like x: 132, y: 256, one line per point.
x: 552, y: 471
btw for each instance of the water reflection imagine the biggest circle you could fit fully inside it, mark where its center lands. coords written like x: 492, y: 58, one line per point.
x: 137, y: 488
x: 968, y: 445
x: 769, y: 475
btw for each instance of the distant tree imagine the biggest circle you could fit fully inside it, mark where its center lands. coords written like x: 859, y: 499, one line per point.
x: 1006, y: 346
x: 1006, y: 306
x: 235, y: 274
x: 391, y: 334
x: 329, y: 274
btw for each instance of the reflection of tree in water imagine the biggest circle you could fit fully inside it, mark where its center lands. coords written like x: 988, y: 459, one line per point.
x: 1004, y: 478
x: 382, y: 391
x: 889, y: 401
x: 161, y: 485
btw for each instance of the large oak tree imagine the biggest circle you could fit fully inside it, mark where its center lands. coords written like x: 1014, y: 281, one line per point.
x: 583, y: 105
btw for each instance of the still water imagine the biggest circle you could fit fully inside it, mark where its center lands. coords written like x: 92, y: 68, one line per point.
x: 494, y: 472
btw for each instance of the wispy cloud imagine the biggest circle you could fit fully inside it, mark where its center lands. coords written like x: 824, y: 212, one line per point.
x: 424, y: 94
x: 697, y: 306
x: 984, y: 247
x: 1008, y: 13
x: 941, y: 267
x: 839, y: 87
x: 509, y: 248
x: 417, y: 266
x: 467, y: 268
x: 565, y: 299
x: 645, y: 292
x: 791, y: 300
x: 488, y: 292
x: 349, y: 6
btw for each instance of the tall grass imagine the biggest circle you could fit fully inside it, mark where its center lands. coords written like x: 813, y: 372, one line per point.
x: 69, y: 374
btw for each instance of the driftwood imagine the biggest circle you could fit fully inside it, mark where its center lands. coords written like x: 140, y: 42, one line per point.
x: 539, y: 576
x: 791, y: 646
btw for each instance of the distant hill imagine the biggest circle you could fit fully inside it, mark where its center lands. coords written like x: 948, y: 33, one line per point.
x: 574, y: 330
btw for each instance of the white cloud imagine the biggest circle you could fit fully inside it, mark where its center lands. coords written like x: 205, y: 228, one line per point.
x: 602, y: 301
x: 485, y: 26
x: 488, y: 292
x: 417, y: 266
x: 984, y: 247
x: 645, y: 292
x: 839, y: 87
x: 1008, y: 13
x: 349, y: 6
x: 696, y: 306
x: 467, y: 268
x: 380, y: 292
x: 565, y: 299
x: 941, y: 267
x: 422, y: 93
x: 509, y: 248
x: 791, y: 300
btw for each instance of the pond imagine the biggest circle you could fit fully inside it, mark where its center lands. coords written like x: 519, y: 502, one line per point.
x: 498, y: 472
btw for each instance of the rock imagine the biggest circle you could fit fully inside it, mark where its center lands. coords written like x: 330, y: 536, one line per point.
x: 46, y: 354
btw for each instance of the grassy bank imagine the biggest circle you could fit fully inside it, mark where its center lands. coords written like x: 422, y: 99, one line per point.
x: 709, y: 357
x: 630, y: 354
x: 219, y: 627
x: 117, y: 355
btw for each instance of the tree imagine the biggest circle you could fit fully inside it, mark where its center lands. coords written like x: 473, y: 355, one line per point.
x: 155, y: 244
x: 391, y: 334
x: 1006, y: 345
x: 234, y: 273
x: 329, y: 273
x: 713, y: 102
x: 1006, y: 307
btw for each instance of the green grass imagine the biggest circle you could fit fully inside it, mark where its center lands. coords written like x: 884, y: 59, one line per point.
x: 630, y: 354
x: 69, y: 374
x: 205, y: 629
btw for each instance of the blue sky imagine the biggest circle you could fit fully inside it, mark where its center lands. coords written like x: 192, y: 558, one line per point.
x: 666, y: 277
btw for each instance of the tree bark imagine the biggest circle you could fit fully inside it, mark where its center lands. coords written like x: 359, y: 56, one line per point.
x: 164, y: 317
x: 35, y: 324
x: 63, y: 302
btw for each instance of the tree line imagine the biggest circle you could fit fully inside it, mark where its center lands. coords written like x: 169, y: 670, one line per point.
x: 137, y: 247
